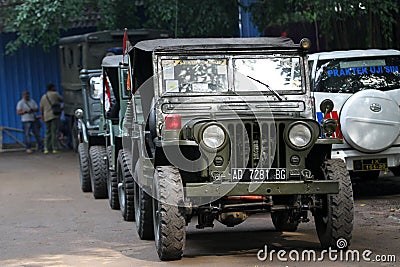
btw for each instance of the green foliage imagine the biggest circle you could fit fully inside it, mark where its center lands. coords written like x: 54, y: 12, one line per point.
x: 193, y: 18
x: 38, y: 21
x: 344, y: 24
x: 117, y: 14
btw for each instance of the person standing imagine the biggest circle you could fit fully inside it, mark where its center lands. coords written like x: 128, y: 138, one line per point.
x: 52, y: 120
x: 27, y: 108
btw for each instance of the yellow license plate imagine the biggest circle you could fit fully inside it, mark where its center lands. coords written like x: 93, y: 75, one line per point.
x: 370, y: 164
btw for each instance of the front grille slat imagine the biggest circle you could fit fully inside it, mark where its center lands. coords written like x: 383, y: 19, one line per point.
x: 256, y: 144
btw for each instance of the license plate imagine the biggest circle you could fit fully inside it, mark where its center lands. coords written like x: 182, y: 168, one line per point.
x: 370, y: 164
x: 258, y: 174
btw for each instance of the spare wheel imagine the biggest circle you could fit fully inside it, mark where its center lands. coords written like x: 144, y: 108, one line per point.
x: 370, y: 121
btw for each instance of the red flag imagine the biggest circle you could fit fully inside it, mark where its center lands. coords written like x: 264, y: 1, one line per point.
x: 124, y: 42
x: 126, y: 45
x: 128, y: 81
x: 107, y: 104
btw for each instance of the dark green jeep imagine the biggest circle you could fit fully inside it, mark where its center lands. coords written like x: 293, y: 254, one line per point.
x: 103, y: 165
x: 223, y: 129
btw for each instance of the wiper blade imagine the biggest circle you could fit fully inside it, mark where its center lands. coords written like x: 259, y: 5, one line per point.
x: 268, y: 87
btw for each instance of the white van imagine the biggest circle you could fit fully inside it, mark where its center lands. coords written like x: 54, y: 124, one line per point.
x: 365, y: 88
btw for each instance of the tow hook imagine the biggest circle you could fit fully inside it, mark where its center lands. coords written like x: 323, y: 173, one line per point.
x: 307, y: 175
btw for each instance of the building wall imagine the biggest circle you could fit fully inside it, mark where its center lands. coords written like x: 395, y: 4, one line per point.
x: 30, y: 68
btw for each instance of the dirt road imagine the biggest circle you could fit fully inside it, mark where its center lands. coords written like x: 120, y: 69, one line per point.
x: 45, y: 220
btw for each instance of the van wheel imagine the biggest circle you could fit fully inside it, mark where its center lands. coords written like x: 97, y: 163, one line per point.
x: 112, y: 184
x: 125, y: 188
x: 168, y: 216
x: 283, y: 221
x: 334, y: 221
x: 368, y: 176
x: 74, y: 136
x: 84, y: 173
x: 98, y: 171
x: 395, y: 170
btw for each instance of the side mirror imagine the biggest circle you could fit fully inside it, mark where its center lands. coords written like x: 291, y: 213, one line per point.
x: 329, y: 126
x: 79, y: 113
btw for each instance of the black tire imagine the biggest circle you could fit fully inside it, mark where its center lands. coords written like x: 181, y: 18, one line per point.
x: 334, y: 222
x: 395, y: 170
x: 368, y: 175
x: 98, y: 171
x: 168, y: 216
x: 112, y: 184
x: 125, y: 188
x: 74, y: 135
x: 143, y: 212
x: 283, y: 222
x: 84, y: 173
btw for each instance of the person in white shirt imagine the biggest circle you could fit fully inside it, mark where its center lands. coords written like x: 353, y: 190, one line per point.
x: 27, y: 108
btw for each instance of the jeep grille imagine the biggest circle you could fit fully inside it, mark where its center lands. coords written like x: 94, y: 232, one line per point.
x: 257, y: 144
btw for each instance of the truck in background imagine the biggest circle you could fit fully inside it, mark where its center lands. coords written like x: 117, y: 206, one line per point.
x: 86, y: 51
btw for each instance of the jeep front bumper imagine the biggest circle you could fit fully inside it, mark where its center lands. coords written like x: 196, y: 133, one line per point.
x: 265, y: 188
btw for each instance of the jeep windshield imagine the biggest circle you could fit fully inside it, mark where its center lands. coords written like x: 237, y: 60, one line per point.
x: 350, y: 75
x: 211, y: 75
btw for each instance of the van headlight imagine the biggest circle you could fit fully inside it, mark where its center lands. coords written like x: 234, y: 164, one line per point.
x: 213, y: 136
x: 299, y: 135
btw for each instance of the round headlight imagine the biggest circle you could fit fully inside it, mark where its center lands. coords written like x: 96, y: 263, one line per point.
x: 299, y: 135
x: 213, y: 136
x: 79, y: 113
x: 305, y: 43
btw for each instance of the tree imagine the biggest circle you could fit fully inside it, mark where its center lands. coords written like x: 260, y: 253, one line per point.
x: 117, y: 14
x: 193, y: 18
x: 39, y: 21
x: 42, y: 21
x: 343, y: 24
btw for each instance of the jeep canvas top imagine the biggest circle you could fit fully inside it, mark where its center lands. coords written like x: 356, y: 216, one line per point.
x: 364, y: 86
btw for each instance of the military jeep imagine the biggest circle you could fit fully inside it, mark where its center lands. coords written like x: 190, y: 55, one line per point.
x: 221, y: 129
x: 90, y: 136
x: 119, y: 179
x: 101, y: 161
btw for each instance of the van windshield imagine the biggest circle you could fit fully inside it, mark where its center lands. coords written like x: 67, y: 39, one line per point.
x: 351, y: 75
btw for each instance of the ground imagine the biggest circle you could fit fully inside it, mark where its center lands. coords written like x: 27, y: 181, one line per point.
x: 45, y: 220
